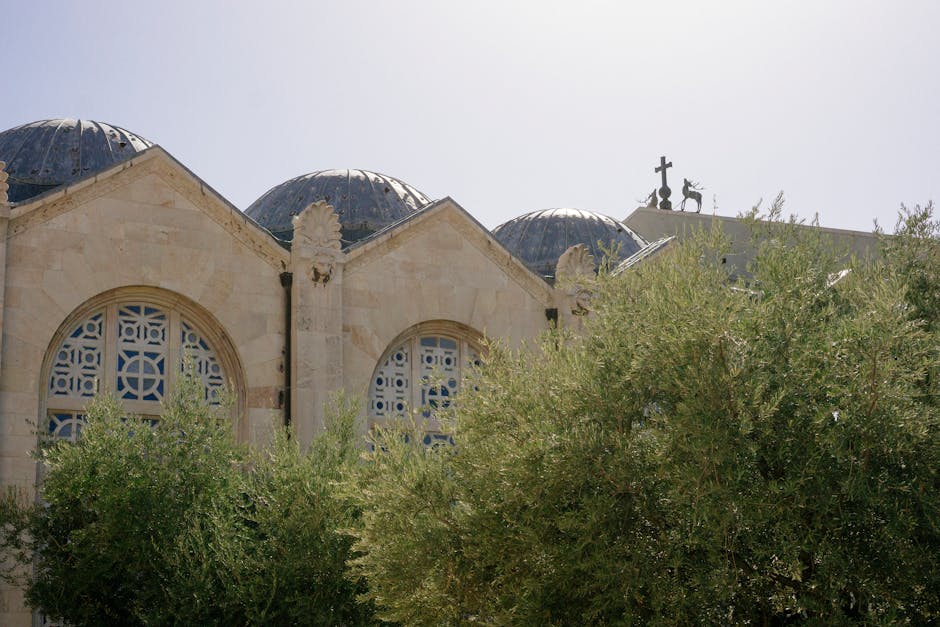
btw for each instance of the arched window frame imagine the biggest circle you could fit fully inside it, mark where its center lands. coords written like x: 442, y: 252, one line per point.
x: 178, y: 311
x: 468, y: 346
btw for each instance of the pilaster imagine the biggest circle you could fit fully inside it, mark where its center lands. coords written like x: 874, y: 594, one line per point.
x: 4, y: 230
x: 317, y: 307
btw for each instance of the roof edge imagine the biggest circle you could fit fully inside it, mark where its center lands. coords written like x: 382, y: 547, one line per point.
x: 22, y: 211
x: 738, y: 219
x: 536, y: 285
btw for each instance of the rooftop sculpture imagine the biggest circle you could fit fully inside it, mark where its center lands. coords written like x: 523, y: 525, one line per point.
x: 664, y: 191
x: 691, y: 191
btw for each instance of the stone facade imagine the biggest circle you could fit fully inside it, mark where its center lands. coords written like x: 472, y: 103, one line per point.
x: 146, y: 250
x: 148, y: 231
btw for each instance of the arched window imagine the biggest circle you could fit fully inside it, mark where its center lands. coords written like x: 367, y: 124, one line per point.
x: 134, y: 347
x: 422, y: 371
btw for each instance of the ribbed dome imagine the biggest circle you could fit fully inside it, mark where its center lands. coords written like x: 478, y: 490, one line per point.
x: 364, y: 201
x: 541, y: 237
x: 46, y: 154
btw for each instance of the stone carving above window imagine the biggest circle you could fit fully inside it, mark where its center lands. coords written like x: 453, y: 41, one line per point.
x: 575, y: 266
x: 317, y: 242
x: 576, y: 262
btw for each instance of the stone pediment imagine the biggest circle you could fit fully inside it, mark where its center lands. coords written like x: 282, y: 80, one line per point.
x: 158, y: 162
x: 456, y: 217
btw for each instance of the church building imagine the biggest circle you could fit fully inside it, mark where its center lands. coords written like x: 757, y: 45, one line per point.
x: 119, y: 266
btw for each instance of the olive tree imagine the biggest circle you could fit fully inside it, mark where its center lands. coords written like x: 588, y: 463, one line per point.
x: 707, y: 451
x: 172, y: 522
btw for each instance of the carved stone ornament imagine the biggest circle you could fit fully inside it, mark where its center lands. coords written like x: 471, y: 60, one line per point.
x: 317, y: 226
x: 3, y: 183
x: 574, y: 266
x: 317, y: 240
x: 576, y: 262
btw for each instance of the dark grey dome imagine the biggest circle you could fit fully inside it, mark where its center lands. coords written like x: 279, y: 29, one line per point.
x: 364, y: 201
x: 46, y: 154
x: 539, y: 238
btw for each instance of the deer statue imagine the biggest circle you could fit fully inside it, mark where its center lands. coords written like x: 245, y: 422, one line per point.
x: 693, y: 191
x: 651, y: 200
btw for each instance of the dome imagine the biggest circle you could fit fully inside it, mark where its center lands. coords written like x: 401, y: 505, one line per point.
x: 364, y: 201
x: 539, y: 238
x: 46, y: 154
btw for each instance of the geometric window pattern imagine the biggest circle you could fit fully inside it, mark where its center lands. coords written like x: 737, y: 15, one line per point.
x: 440, y: 372
x: 141, y: 366
x: 204, y: 362
x: 391, y: 385
x: 423, y: 372
x: 127, y: 348
x: 77, y: 366
x: 66, y: 425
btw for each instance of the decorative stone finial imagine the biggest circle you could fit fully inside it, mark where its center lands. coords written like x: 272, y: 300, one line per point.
x: 317, y: 240
x: 575, y: 265
x: 576, y: 262
x: 3, y: 184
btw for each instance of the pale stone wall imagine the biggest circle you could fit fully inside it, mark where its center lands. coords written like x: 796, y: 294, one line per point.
x: 142, y: 231
x: 145, y: 225
x: 442, y: 266
x: 150, y: 227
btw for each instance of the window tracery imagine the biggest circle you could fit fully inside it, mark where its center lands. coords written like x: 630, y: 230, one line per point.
x: 422, y: 373
x: 127, y: 347
x: 77, y: 366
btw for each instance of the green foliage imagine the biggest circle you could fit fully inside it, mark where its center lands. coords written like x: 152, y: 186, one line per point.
x: 175, y: 523
x: 707, y: 452
x: 915, y: 256
x: 271, y: 554
x: 116, y: 500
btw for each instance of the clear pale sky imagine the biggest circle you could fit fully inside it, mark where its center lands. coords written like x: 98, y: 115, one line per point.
x: 509, y: 107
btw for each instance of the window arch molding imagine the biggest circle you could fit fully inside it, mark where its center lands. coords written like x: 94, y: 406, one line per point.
x: 414, y: 354
x: 181, y: 311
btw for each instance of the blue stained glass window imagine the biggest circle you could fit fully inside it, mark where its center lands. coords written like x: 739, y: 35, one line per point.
x: 77, y: 366
x: 66, y: 425
x: 205, y: 364
x: 422, y: 375
x: 437, y: 439
x: 142, y: 335
x: 142, y: 345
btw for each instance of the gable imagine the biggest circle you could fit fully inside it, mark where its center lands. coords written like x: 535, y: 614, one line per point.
x: 439, y: 266
x: 153, y: 187
x: 147, y: 223
x: 443, y: 234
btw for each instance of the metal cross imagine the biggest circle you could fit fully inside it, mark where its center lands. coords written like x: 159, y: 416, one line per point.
x: 664, y: 191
